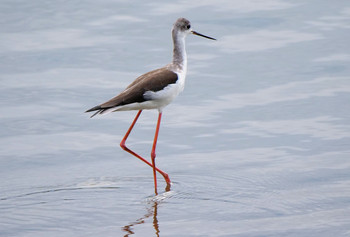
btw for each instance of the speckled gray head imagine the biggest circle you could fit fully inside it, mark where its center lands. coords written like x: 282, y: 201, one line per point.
x: 182, y: 26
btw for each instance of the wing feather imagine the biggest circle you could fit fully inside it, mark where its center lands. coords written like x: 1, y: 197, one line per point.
x: 154, y: 81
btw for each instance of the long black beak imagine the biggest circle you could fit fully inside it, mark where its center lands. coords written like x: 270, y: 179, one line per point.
x: 196, y: 33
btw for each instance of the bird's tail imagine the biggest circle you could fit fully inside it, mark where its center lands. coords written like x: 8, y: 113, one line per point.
x: 98, y: 108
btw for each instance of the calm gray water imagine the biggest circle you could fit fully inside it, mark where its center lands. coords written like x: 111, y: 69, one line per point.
x: 258, y: 144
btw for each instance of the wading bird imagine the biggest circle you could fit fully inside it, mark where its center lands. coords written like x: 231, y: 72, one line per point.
x: 154, y: 90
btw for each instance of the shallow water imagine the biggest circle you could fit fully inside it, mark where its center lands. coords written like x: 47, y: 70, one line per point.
x: 258, y: 144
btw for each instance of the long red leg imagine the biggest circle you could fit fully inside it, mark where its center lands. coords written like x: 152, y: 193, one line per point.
x: 123, y: 146
x: 153, y: 153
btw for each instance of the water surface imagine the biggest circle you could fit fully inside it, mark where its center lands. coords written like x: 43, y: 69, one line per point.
x: 258, y: 144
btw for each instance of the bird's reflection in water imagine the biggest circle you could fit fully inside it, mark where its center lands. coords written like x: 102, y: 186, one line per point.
x: 151, y: 211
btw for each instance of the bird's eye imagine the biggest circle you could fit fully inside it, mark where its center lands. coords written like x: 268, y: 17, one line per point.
x: 188, y: 26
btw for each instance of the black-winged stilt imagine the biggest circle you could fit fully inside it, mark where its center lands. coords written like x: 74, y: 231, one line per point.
x: 154, y: 90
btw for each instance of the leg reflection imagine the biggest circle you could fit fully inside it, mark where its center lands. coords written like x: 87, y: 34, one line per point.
x: 151, y: 211
x: 155, y: 220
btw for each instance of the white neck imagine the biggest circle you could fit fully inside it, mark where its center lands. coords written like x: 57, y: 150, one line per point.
x: 179, y: 52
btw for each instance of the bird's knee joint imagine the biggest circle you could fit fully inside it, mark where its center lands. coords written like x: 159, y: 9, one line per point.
x: 122, y: 145
x: 153, y: 155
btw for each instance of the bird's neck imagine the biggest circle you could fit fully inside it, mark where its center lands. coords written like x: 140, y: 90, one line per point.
x: 179, y: 52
